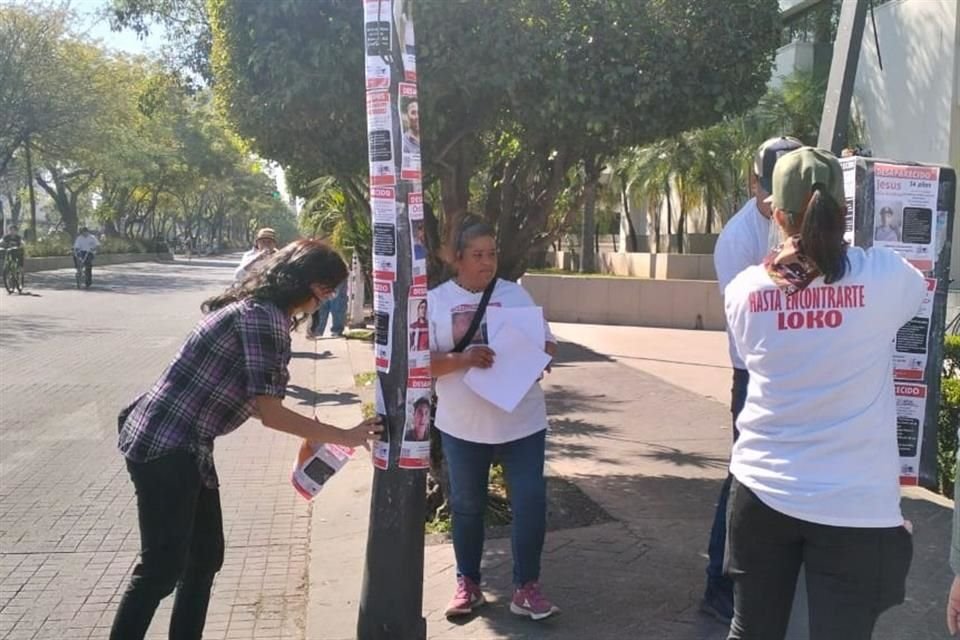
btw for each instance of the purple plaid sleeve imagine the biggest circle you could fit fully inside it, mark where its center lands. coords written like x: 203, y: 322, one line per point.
x: 265, y: 336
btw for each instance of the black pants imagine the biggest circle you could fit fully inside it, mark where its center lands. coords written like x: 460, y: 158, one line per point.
x: 853, y: 574
x: 181, y: 540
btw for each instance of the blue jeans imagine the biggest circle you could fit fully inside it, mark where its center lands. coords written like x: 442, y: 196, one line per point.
x: 718, y: 533
x: 469, y: 468
x: 335, y: 306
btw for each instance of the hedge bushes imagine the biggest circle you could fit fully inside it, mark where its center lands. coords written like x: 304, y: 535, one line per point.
x: 61, y: 245
x: 949, y: 419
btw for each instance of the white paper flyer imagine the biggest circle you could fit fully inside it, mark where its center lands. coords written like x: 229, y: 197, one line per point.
x: 905, y: 208
x: 911, y: 409
x: 912, y: 342
x: 383, y: 309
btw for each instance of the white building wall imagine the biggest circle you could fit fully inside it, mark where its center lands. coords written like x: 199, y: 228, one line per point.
x: 911, y: 107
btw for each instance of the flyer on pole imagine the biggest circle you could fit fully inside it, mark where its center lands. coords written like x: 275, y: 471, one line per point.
x: 409, y: 109
x: 376, y: 30
x: 380, y: 139
x: 383, y: 311
x: 418, y: 241
x: 415, y: 448
x: 911, y: 411
x: 849, y: 166
x: 905, y: 206
x: 911, y: 345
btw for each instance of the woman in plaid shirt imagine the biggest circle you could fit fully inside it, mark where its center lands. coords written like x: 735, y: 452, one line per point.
x: 231, y: 367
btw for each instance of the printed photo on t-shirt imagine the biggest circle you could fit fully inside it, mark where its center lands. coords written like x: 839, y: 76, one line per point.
x: 461, y: 318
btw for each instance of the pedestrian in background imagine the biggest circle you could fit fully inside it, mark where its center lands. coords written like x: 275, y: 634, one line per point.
x: 335, y: 308
x: 816, y: 467
x: 231, y: 367
x: 264, y: 245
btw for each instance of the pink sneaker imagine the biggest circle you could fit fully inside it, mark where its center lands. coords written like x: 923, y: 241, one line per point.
x: 529, y: 601
x: 467, y: 598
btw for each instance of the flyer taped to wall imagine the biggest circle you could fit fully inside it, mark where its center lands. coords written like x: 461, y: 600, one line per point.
x: 314, y: 466
x: 415, y: 448
x: 911, y: 345
x: 383, y: 309
x: 911, y: 410
x: 905, y: 209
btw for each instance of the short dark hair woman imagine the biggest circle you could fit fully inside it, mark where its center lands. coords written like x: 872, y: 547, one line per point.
x: 816, y: 468
x: 232, y: 366
x: 474, y: 431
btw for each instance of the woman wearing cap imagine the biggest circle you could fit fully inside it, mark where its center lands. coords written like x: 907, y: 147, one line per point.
x: 231, y: 367
x: 816, y: 466
x: 263, y: 246
x: 474, y: 432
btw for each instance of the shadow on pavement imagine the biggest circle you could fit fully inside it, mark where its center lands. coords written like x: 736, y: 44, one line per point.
x: 309, y: 397
x: 19, y: 330
x: 133, y: 278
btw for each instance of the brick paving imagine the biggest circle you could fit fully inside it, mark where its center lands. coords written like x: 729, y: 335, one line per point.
x: 68, y: 536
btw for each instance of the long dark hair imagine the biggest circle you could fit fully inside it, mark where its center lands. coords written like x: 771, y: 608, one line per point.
x: 285, y: 277
x: 821, y: 233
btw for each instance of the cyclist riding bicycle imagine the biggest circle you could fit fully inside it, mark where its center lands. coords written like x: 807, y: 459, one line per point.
x: 84, y: 248
x: 12, y: 240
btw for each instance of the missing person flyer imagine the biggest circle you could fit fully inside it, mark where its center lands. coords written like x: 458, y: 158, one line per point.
x: 849, y: 166
x: 418, y: 239
x: 380, y: 139
x: 409, y: 108
x: 911, y: 345
x: 418, y: 330
x: 377, y: 40
x: 415, y: 448
x: 380, y: 451
x: 905, y: 209
x: 383, y: 309
x: 911, y: 409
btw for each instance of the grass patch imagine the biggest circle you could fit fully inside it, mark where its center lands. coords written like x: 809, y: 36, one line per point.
x: 368, y: 410
x: 366, y: 335
x: 365, y: 379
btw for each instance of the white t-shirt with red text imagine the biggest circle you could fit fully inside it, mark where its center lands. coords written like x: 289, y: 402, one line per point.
x: 460, y: 412
x: 818, y: 433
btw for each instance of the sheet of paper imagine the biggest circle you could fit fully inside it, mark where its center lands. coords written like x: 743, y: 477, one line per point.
x: 528, y: 320
x: 517, y: 366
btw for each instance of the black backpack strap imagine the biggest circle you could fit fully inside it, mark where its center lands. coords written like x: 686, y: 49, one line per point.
x: 477, y: 318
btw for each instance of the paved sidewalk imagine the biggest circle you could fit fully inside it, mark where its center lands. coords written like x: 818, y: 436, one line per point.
x: 645, y: 433
x: 68, y: 534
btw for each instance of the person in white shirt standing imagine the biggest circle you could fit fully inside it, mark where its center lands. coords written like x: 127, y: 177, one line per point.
x: 84, y: 249
x: 474, y: 431
x: 264, y: 245
x: 816, y: 466
x: 745, y: 241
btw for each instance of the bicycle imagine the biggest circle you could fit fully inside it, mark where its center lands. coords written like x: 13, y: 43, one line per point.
x: 83, y: 262
x: 13, y: 269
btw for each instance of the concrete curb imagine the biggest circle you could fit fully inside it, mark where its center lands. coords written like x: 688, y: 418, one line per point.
x: 50, y: 263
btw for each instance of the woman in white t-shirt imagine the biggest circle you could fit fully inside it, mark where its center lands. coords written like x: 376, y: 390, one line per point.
x: 475, y: 432
x: 816, y: 466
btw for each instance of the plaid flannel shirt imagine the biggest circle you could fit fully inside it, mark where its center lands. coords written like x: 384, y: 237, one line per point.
x: 233, y: 355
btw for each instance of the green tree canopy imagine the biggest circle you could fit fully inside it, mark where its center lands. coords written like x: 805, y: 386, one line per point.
x: 520, y: 100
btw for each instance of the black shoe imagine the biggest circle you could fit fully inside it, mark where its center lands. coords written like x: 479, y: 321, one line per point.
x: 718, y: 603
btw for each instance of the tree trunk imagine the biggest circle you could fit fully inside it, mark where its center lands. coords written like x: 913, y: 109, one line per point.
x: 588, y: 256
x: 33, y: 195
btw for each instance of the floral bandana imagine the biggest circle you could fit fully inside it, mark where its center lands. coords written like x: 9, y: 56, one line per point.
x: 790, y: 268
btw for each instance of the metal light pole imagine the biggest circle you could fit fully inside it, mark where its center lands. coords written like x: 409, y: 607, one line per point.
x: 391, y: 602
x: 843, y: 73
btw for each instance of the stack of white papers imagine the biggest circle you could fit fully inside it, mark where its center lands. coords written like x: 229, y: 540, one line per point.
x: 517, y: 339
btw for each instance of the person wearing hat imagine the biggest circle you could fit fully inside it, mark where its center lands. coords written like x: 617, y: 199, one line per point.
x: 263, y: 245
x: 745, y: 240
x: 816, y: 466
x: 886, y: 231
